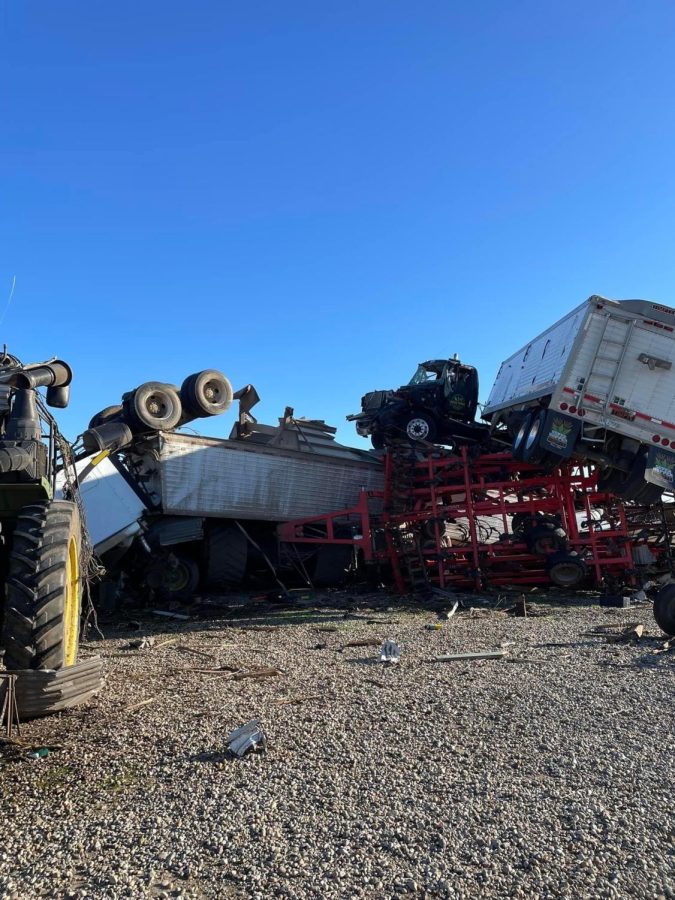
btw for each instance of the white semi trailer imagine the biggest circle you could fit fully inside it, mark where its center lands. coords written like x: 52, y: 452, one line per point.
x: 597, y: 385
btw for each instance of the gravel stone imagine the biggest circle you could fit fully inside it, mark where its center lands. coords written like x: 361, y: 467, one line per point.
x: 544, y: 774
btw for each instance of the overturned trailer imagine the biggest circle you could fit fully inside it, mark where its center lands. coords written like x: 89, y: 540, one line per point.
x: 177, y: 511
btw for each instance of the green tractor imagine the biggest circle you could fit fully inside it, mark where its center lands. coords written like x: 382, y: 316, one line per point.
x: 41, y: 538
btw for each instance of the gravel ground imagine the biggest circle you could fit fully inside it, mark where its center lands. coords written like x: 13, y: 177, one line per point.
x: 544, y: 774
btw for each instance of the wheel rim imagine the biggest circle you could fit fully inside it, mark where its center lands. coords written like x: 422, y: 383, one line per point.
x: 71, y: 607
x: 213, y: 392
x: 157, y: 406
x: 176, y: 578
x: 417, y: 429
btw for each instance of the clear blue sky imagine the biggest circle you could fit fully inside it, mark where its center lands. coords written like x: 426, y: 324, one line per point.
x: 315, y: 196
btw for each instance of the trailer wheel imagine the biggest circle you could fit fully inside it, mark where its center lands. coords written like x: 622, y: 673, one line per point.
x: 331, y: 564
x: 531, y: 450
x: 154, y: 406
x: 207, y: 393
x: 664, y: 609
x: 174, y: 579
x: 41, y: 622
x: 566, y: 570
x: 631, y: 485
x: 518, y: 445
x: 420, y: 427
x: 226, y: 555
x: 105, y: 415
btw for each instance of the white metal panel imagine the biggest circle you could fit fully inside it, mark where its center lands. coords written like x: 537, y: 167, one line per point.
x: 537, y: 367
x: 228, y: 479
x: 645, y: 390
x: 111, y: 506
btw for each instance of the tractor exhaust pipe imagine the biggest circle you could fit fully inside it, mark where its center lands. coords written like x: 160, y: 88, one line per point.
x: 56, y: 374
x: 23, y: 422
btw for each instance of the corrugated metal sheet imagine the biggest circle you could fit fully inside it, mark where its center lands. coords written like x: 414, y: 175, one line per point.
x: 232, y: 479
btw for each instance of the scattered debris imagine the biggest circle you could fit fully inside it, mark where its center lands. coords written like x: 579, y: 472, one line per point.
x: 39, y: 753
x: 390, y: 653
x: 183, y: 648
x: 434, y: 626
x: 615, y: 601
x: 138, y: 705
x: 170, y: 615
x: 248, y: 737
x: 300, y: 699
x: 667, y: 647
x: 9, y: 717
x: 259, y: 672
x: 631, y: 634
x: 374, y: 681
x: 363, y: 642
x: 481, y: 654
x: 450, y: 613
x: 143, y: 643
x: 319, y: 647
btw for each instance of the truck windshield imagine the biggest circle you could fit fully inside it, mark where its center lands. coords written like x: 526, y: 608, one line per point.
x: 422, y: 375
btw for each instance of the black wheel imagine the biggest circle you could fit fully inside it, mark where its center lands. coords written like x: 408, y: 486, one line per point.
x: 377, y: 440
x: 566, y: 570
x: 207, y: 393
x: 632, y: 485
x: 226, y: 550
x: 531, y: 450
x: 518, y: 445
x: 664, y: 609
x: 175, y: 578
x: 420, y: 427
x: 545, y: 539
x: 41, y: 622
x: 108, y: 414
x: 153, y: 406
x: 330, y: 565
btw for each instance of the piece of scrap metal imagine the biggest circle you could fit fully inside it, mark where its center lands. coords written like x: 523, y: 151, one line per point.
x: 390, y: 652
x: 248, y: 737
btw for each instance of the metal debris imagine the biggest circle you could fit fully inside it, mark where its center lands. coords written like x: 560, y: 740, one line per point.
x: 481, y: 654
x: 390, y: 652
x: 9, y: 717
x: 248, y: 737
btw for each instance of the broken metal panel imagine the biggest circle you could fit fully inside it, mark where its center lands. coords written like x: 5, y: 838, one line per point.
x: 169, y: 530
x: 234, y: 479
x: 248, y: 737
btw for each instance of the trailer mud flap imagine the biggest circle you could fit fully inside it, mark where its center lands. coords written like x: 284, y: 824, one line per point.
x: 560, y: 434
x: 660, y: 468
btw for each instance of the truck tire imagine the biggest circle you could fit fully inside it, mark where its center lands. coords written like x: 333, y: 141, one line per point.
x: 41, y: 622
x: 664, y: 609
x: 330, y: 564
x: 631, y: 485
x: 108, y: 414
x: 532, y: 452
x: 175, y: 580
x: 207, y: 393
x: 153, y: 407
x: 420, y: 427
x: 226, y: 551
x: 566, y: 570
x: 518, y: 445
x: 546, y: 538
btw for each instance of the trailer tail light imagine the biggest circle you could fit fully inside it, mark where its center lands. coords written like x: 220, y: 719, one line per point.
x: 563, y: 406
x: 573, y: 409
x: 665, y: 441
x: 656, y: 438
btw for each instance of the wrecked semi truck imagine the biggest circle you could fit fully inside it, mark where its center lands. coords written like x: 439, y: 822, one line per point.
x: 177, y: 511
x: 599, y: 386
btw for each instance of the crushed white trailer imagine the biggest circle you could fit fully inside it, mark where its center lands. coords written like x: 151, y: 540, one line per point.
x: 599, y: 385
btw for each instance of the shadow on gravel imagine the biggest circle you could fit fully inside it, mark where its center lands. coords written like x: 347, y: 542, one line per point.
x: 209, y: 756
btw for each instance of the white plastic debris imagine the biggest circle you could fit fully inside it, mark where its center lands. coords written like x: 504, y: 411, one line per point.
x: 390, y: 652
x: 247, y: 737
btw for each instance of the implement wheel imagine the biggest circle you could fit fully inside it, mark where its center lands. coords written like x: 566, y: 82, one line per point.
x: 41, y: 622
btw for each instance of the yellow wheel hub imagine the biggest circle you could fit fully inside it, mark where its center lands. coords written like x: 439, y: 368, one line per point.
x: 71, y: 607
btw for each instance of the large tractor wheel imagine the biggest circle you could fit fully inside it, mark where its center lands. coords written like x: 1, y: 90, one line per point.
x: 226, y: 555
x: 41, y: 622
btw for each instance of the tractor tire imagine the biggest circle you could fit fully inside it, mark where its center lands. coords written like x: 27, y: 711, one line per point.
x: 110, y: 413
x: 331, y: 564
x: 153, y: 407
x: 518, y: 445
x: 226, y: 550
x: 664, y: 609
x: 420, y: 427
x: 41, y: 622
x: 207, y: 393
